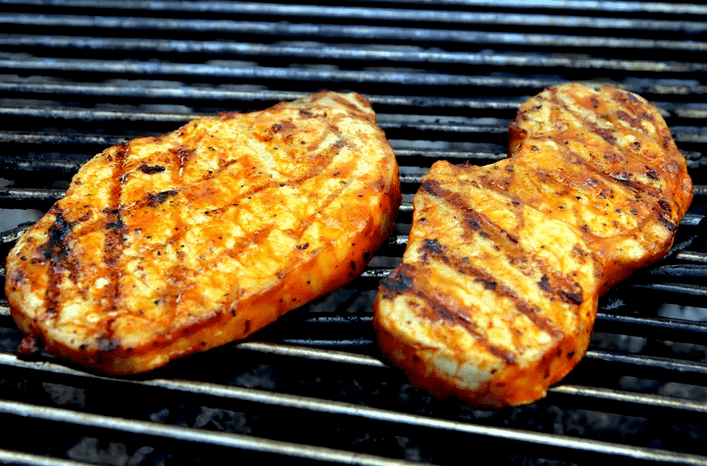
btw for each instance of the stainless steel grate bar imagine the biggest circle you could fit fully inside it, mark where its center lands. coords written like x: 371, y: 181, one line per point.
x: 624, y: 7
x: 387, y: 53
x: 202, y: 70
x: 25, y: 459
x: 255, y: 74
x: 438, y: 18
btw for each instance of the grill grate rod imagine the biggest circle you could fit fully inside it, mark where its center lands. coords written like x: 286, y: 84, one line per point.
x: 226, y: 7
x: 437, y: 18
x: 380, y: 53
x: 331, y: 77
x: 201, y: 70
x: 557, y: 442
x: 25, y: 459
x: 196, y: 436
x: 595, y: 7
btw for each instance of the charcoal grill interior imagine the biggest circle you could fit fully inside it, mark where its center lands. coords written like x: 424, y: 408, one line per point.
x: 445, y: 78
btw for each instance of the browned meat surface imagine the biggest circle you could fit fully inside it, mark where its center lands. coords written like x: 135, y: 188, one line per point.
x: 497, y: 294
x: 170, y: 245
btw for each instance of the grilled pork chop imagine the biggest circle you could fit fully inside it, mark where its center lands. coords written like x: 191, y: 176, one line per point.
x: 164, y: 246
x: 497, y: 293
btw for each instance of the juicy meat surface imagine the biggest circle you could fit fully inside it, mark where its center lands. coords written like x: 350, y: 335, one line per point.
x: 497, y: 292
x: 164, y: 246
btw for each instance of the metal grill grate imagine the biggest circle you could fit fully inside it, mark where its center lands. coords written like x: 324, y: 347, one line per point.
x: 445, y: 78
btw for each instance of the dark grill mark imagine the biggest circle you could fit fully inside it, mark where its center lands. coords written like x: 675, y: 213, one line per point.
x: 154, y: 200
x: 634, y: 122
x: 151, y: 169
x: 605, y: 134
x: 664, y: 206
x: 115, y: 225
x: 56, y: 249
x: 623, y: 176
x: 399, y: 282
x: 455, y: 314
x: 182, y: 155
x: 488, y: 284
x: 573, y: 298
x: 512, y: 248
x: 354, y: 109
x: 667, y: 223
x: 491, y: 283
x: 113, y: 246
x: 57, y: 252
x: 432, y: 247
x: 475, y: 220
x: 664, y: 213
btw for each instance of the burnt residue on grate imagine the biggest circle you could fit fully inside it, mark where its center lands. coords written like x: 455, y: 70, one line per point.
x: 445, y: 78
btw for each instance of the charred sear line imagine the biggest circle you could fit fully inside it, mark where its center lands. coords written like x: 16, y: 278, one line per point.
x: 484, y: 227
x: 474, y: 220
x: 118, y: 223
x: 56, y: 248
x: 402, y: 282
x: 115, y: 232
x: 154, y: 200
x: 114, y: 237
x: 667, y: 223
x: 664, y: 213
x: 430, y: 247
x: 455, y: 314
x: 576, y: 297
x: 151, y: 169
x: 399, y: 282
x: 57, y: 252
x: 635, y: 123
x: 572, y: 296
x: 182, y: 154
x: 624, y: 176
x: 490, y: 282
